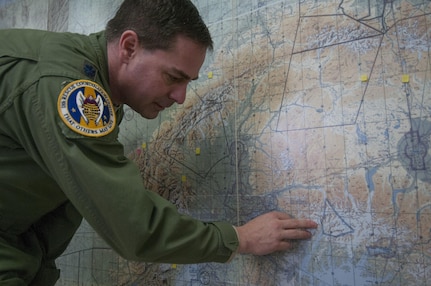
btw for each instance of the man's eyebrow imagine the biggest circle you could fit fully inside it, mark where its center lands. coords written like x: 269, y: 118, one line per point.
x: 183, y: 74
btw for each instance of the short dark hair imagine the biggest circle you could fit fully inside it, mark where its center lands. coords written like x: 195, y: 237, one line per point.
x: 158, y: 22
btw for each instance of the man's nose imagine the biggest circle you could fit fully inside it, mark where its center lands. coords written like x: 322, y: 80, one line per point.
x: 179, y: 93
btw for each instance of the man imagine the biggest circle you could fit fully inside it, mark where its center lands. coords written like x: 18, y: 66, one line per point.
x: 61, y: 98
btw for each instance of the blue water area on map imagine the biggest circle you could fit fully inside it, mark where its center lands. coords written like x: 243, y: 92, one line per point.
x: 369, y: 177
x: 362, y: 137
x: 414, y: 150
x: 385, y: 252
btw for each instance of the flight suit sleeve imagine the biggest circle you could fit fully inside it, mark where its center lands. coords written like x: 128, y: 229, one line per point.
x: 107, y: 189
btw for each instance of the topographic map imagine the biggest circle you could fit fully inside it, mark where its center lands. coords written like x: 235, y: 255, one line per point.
x: 321, y: 109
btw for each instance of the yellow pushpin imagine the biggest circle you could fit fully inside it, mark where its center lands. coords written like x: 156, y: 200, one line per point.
x: 144, y: 145
x: 405, y: 78
x: 183, y: 178
x: 210, y: 75
x: 174, y: 266
x: 364, y: 78
x: 198, y: 151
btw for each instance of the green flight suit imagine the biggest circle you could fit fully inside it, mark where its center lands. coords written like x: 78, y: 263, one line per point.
x: 51, y: 176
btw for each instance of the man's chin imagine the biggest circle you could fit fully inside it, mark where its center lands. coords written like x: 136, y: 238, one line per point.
x: 149, y: 115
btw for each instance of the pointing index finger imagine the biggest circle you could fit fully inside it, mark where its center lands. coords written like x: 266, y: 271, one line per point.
x: 299, y: 223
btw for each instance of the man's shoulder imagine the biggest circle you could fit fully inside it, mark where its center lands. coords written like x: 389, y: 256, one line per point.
x: 31, y: 43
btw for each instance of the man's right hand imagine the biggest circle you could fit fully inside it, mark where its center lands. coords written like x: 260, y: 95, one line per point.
x: 272, y: 232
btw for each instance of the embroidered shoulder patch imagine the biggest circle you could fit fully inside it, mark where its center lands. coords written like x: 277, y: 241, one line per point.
x: 86, y: 108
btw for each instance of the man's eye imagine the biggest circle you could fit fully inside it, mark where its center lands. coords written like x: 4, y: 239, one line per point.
x: 172, y: 78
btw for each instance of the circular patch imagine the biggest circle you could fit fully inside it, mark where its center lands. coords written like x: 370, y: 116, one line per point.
x: 85, y: 107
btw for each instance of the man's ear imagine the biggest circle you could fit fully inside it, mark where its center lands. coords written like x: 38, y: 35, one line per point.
x: 128, y: 45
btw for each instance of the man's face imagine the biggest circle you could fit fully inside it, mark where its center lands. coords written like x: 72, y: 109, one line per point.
x: 154, y: 80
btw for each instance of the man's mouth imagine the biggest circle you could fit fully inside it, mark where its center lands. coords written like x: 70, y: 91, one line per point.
x: 159, y: 107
